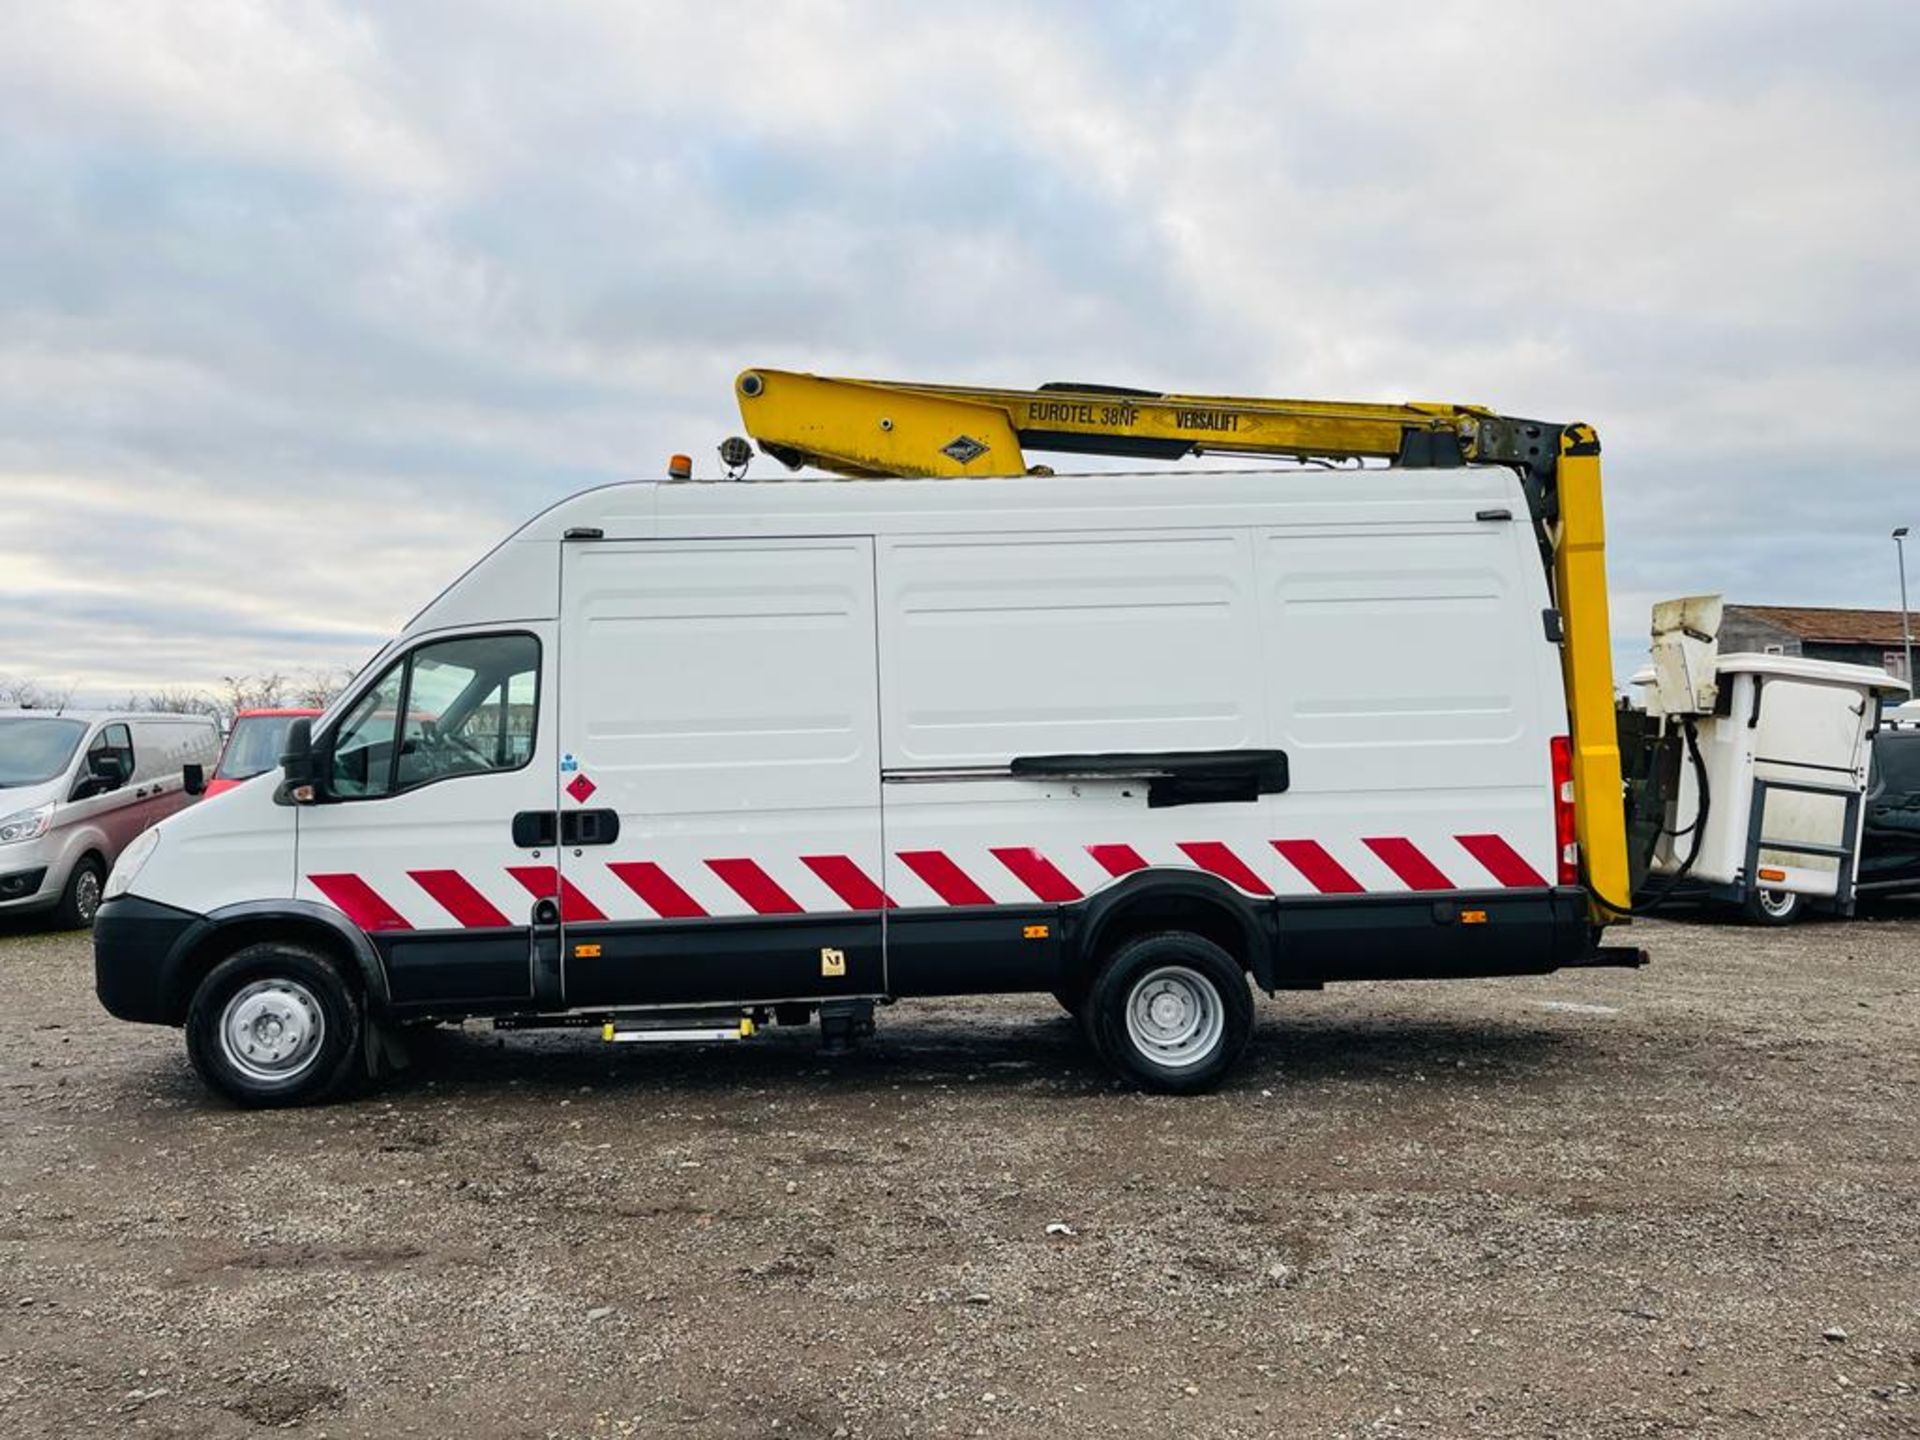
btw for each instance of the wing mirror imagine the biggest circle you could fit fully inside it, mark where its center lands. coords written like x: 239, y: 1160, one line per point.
x: 193, y: 779
x: 299, y: 767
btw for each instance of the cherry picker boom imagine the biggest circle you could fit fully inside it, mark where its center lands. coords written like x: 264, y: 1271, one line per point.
x: 870, y: 429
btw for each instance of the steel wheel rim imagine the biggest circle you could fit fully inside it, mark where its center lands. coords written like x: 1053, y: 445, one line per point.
x: 1778, y: 902
x: 1175, y: 1017
x: 270, y: 1031
x: 86, y: 894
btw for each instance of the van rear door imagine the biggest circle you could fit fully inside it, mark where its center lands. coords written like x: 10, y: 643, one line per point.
x: 718, y: 701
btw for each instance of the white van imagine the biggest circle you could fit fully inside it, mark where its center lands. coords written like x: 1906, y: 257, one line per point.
x: 75, y: 788
x: 681, y: 758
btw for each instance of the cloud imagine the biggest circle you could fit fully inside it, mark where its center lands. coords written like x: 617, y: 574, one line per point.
x: 303, y: 85
x: 302, y: 306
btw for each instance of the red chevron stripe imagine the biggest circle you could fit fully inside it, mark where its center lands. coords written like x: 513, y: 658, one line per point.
x: 753, y: 885
x: 658, y: 890
x: 944, y: 878
x: 456, y: 894
x: 1037, y: 873
x: 360, y: 902
x: 1117, y: 860
x: 539, y: 880
x: 1503, y: 862
x: 1217, y: 858
x: 1407, y: 861
x: 1322, y: 871
x: 842, y: 875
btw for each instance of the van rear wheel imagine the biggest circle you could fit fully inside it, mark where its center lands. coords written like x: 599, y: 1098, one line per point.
x: 1171, y: 1011
x: 274, y: 1024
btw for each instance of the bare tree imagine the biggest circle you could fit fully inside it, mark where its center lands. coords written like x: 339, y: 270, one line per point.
x: 176, y: 700
x: 314, y: 688
x: 254, y: 692
x: 26, y: 693
x: 319, y: 684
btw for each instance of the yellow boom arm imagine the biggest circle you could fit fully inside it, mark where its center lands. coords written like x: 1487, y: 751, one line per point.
x: 872, y: 428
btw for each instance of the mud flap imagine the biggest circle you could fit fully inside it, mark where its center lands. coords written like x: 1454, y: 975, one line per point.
x: 385, y: 1049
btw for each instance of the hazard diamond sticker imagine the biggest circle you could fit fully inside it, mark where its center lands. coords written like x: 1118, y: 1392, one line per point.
x: 580, y: 787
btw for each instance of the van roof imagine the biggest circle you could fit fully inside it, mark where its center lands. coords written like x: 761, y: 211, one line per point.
x: 94, y: 716
x: 518, y: 576
x: 810, y: 504
x: 296, y: 712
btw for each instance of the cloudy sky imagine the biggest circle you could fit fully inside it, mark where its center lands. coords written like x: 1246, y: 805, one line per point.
x: 302, y: 305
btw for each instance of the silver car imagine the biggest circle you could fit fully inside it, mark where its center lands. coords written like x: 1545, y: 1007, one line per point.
x: 75, y: 788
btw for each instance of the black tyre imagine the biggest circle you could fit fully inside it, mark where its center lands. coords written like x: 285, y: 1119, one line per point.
x: 80, y: 901
x: 1774, y: 907
x: 1171, y: 1012
x: 275, y: 1024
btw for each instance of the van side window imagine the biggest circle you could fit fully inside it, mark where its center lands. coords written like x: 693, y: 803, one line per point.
x: 453, y: 707
x: 501, y: 726
x: 363, y: 745
x: 113, y: 745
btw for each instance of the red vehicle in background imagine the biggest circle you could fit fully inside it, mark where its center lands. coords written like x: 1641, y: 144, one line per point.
x: 253, y: 745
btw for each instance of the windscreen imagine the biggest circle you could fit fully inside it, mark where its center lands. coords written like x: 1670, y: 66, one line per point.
x: 254, y: 747
x: 34, y: 749
x: 1893, y: 796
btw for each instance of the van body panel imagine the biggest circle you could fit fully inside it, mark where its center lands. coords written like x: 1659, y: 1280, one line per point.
x: 228, y: 849
x: 519, y: 579
x: 1416, y: 694
x: 721, y: 697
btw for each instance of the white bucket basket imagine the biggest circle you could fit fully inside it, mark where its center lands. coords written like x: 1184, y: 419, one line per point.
x: 1786, y: 752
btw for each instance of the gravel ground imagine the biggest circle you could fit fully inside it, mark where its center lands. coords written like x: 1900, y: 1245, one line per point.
x: 1679, y: 1201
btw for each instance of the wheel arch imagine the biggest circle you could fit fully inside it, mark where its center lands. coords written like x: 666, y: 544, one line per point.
x: 1151, y: 900
x: 83, y: 841
x: 96, y: 851
x: 231, y: 928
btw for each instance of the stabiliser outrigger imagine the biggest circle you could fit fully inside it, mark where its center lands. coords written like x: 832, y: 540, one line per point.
x: 869, y: 429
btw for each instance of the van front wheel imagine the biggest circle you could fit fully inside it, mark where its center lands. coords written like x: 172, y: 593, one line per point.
x: 1171, y: 1011
x: 274, y: 1024
x: 80, y: 900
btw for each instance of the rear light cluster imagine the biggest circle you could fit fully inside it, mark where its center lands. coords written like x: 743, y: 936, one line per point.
x: 1566, y: 848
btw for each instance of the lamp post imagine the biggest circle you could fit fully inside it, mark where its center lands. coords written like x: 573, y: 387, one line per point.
x: 1906, y: 627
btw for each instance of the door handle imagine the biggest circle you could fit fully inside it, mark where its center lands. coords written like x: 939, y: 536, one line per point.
x: 589, y: 827
x: 538, y: 829
x: 535, y: 829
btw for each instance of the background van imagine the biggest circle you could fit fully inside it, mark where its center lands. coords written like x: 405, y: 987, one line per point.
x: 75, y: 787
x: 254, y: 744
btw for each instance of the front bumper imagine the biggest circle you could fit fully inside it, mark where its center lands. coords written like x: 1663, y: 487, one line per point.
x: 20, y: 889
x: 134, y: 944
x: 33, y: 872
